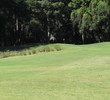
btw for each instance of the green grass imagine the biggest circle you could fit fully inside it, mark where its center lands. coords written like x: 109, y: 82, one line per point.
x: 24, y: 50
x: 78, y: 72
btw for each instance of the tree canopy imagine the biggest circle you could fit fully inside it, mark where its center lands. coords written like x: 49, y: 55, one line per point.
x: 48, y: 21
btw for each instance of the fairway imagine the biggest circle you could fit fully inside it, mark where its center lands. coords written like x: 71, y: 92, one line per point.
x: 78, y: 72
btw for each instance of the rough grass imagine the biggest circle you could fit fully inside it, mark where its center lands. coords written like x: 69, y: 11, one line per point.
x: 76, y: 73
x: 25, y: 50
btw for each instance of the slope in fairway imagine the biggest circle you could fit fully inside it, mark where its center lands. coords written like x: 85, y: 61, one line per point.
x: 79, y: 72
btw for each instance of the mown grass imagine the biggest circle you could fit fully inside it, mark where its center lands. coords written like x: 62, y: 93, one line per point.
x: 78, y: 72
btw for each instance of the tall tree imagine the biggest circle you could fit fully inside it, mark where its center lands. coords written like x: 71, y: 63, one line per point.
x: 87, y: 17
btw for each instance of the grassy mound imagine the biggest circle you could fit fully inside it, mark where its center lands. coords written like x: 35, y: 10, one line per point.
x: 28, y: 50
x: 78, y: 72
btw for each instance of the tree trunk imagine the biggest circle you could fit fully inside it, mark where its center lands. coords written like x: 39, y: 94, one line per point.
x: 83, y: 38
x: 48, y: 30
x: 17, y: 24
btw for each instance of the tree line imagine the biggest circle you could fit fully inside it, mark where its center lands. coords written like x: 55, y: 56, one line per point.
x: 54, y: 21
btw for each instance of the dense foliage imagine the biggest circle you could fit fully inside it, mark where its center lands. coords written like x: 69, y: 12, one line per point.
x: 45, y: 21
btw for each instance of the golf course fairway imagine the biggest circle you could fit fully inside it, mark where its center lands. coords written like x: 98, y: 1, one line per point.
x: 77, y: 72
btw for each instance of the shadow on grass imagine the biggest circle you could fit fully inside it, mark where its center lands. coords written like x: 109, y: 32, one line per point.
x: 27, y: 49
x: 20, y: 47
